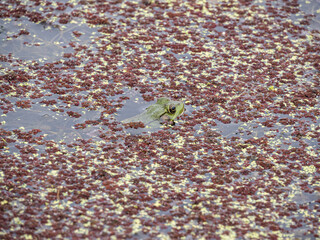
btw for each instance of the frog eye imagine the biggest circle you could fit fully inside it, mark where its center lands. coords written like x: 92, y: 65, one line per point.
x: 172, y: 109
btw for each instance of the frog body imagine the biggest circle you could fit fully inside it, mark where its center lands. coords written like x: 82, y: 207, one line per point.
x: 163, y: 109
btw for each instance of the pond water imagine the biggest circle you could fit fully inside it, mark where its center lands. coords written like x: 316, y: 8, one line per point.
x: 243, y: 160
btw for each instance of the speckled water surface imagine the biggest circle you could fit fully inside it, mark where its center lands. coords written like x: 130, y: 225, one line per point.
x: 241, y: 163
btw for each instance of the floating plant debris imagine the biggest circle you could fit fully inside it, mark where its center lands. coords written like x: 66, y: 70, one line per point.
x: 242, y: 163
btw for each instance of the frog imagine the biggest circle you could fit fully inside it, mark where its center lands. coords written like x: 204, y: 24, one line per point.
x: 164, y: 111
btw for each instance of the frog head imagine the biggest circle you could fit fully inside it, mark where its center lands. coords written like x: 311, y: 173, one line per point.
x: 173, y: 109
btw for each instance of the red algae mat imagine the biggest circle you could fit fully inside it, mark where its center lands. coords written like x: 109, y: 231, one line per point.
x: 241, y: 163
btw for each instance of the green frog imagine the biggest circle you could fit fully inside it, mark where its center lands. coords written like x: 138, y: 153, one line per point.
x: 164, y: 110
